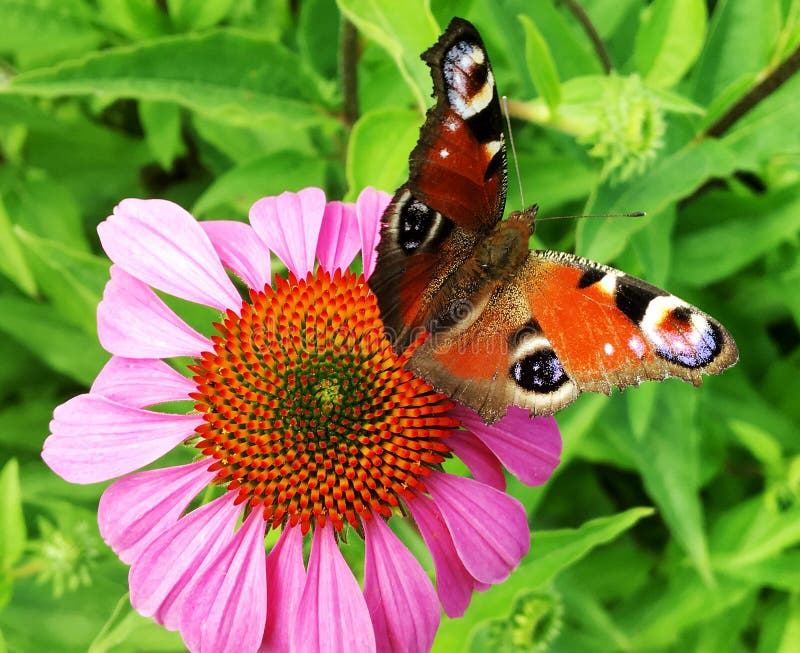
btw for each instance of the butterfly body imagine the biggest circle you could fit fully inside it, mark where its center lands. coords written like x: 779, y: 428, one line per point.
x: 508, y: 325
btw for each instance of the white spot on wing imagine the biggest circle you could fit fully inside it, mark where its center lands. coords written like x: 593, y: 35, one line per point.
x: 492, y: 147
x: 444, y: 153
x: 637, y: 346
x: 608, y: 284
x: 608, y: 348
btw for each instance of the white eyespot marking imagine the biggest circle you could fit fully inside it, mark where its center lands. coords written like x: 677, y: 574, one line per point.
x: 637, y: 346
x: 492, y: 147
x: 467, y: 105
x: 679, y: 333
x: 608, y: 284
x: 451, y: 124
x: 536, y: 370
x: 469, y: 82
x: 608, y: 348
x: 444, y: 153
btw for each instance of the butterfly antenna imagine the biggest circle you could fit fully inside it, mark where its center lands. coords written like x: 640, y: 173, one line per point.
x: 504, y: 101
x: 634, y: 214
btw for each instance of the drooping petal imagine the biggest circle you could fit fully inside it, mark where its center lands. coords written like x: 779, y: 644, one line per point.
x: 136, y: 509
x: 530, y: 448
x: 94, y: 439
x: 453, y: 582
x: 132, y: 321
x: 339, y: 239
x: 370, y: 206
x: 228, y: 601
x: 332, y: 615
x: 399, y: 594
x: 289, y: 225
x: 162, y: 572
x: 161, y: 244
x: 286, y: 578
x: 141, y: 382
x: 478, y: 458
x: 489, y: 528
x: 241, y: 251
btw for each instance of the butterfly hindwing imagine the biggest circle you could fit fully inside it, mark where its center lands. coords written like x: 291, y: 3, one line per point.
x: 570, y: 325
x: 456, y: 187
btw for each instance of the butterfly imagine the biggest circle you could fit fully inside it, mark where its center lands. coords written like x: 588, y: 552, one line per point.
x: 507, y: 325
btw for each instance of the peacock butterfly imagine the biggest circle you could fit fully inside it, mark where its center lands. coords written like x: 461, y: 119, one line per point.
x: 507, y: 325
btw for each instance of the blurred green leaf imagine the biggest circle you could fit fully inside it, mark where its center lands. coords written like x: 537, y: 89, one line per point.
x: 39, y: 32
x: 669, y: 40
x: 12, y: 519
x: 540, y: 64
x: 270, y: 174
x: 72, y: 279
x: 162, y: 129
x: 62, y: 346
x: 133, y: 18
x: 23, y: 424
x: 244, y: 79
x: 404, y: 30
x: 198, y: 14
x: 372, y: 160
x: 12, y: 260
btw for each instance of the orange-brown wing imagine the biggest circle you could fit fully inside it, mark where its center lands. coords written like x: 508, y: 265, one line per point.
x: 456, y: 188
x: 565, y: 325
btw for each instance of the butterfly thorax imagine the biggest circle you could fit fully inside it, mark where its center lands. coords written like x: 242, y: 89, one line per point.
x: 505, y: 248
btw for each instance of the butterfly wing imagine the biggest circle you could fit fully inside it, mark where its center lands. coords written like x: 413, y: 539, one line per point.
x: 456, y: 188
x: 564, y: 325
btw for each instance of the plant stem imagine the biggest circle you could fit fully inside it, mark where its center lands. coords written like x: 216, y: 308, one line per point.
x: 349, y: 63
x: 582, y: 17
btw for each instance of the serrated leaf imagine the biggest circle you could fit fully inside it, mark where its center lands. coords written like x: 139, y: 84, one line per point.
x: 60, y: 345
x: 541, y: 66
x: 12, y: 260
x: 404, y: 30
x: 373, y: 159
x: 551, y: 552
x: 270, y: 174
x: 72, y: 279
x: 669, y: 180
x: 229, y: 74
x: 12, y: 518
x: 669, y: 40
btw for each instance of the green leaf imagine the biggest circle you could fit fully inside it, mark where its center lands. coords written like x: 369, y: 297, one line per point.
x: 741, y: 38
x: 12, y: 518
x: 40, y: 32
x: 270, y: 174
x: 718, y: 251
x: 551, y: 552
x: 72, y: 279
x: 669, y: 180
x: 198, y: 14
x: 22, y: 423
x: 62, y: 346
x: 541, y: 66
x: 404, y: 30
x: 374, y: 160
x: 136, y: 19
x: 669, y: 40
x: 12, y: 260
x: 162, y: 129
x: 231, y: 75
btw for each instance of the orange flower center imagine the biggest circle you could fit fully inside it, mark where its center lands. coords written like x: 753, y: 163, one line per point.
x: 309, y: 412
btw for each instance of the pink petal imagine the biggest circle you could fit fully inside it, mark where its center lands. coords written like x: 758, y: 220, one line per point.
x: 136, y: 509
x: 161, y: 244
x: 163, y: 571
x: 94, y: 439
x: 339, y: 239
x: 453, y: 582
x: 489, y: 528
x: 370, y: 206
x: 482, y: 463
x: 286, y: 578
x: 530, y: 448
x: 399, y: 594
x: 132, y: 321
x: 289, y: 224
x: 241, y: 251
x: 332, y: 616
x: 140, y: 382
x: 228, y: 601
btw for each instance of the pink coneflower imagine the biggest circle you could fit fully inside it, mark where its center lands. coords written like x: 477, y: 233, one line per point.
x: 305, y: 421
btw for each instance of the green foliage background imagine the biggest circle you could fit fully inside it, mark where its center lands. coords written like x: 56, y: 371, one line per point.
x: 674, y: 521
